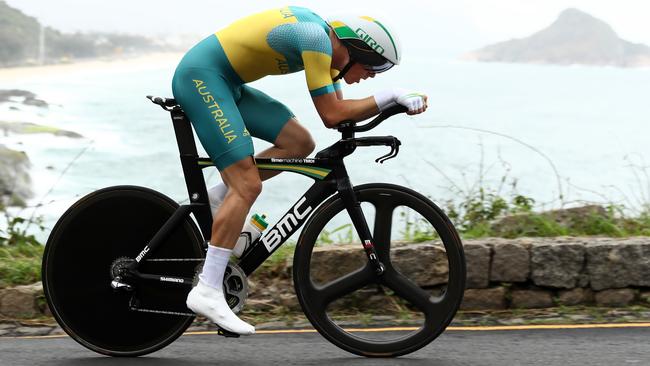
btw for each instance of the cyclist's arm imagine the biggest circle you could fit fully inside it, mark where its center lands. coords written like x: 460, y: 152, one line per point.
x: 337, y: 84
x: 325, y: 95
x: 333, y: 110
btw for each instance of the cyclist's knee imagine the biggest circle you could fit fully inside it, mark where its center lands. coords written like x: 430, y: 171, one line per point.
x: 303, y: 145
x: 296, y: 139
x: 306, y: 146
x: 250, y: 188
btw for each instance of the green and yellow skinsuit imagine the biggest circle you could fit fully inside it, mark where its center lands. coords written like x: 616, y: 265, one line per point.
x: 209, y: 82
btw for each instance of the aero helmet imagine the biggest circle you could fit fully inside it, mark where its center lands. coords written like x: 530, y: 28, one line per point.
x: 368, y: 41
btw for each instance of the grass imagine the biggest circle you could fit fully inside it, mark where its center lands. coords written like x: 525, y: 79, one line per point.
x: 279, y: 257
x: 535, y: 224
x: 20, y: 264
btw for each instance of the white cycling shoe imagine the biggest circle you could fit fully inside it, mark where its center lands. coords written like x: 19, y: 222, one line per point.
x: 211, y: 303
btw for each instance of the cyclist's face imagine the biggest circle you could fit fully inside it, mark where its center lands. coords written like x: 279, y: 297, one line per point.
x: 357, y: 73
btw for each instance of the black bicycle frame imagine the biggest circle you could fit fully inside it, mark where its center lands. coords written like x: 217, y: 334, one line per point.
x: 327, y: 169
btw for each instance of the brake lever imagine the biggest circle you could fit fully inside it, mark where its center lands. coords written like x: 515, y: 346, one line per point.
x: 394, y: 150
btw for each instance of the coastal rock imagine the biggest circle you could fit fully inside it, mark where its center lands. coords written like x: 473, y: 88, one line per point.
x: 32, y: 331
x: 332, y: 262
x: 619, y: 264
x: 557, y: 265
x: 24, y: 96
x: 510, y: 263
x: 30, y: 128
x: 575, y: 296
x: 645, y: 297
x: 531, y: 299
x: 423, y: 263
x: 20, y: 301
x: 574, y: 38
x: 477, y: 257
x: 577, y: 217
x: 574, y: 218
x: 615, y: 298
x: 490, y: 298
x: 7, y: 94
x: 15, y: 183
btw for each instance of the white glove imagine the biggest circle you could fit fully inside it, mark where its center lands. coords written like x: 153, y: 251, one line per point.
x: 390, y: 97
x: 413, y: 101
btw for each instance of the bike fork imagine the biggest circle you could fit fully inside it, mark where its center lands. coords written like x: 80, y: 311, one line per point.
x: 359, y: 221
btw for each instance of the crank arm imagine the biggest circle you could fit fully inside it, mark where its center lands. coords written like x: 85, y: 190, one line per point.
x: 162, y: 278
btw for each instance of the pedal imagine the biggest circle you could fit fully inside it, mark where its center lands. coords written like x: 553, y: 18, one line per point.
x: 227, y: 334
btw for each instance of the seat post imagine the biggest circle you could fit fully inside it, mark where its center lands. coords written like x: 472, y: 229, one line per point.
x: 194, y: 179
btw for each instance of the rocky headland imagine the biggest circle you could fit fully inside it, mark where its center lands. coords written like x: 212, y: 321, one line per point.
x: 15, y: 182
x: 574, y: 38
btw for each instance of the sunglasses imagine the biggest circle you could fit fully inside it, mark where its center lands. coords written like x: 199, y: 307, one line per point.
x: 379, y: 68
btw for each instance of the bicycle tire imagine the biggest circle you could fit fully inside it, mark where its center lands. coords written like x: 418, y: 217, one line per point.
x: 310, y: 296
x: 111, y: 223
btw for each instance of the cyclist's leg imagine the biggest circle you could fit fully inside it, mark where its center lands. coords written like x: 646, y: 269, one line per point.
x: 270, y: 120
x: 244, y: 186
x: 208, y: 101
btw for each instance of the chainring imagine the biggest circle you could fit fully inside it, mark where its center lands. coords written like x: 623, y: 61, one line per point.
x: 235, y: 285
x: 118, y: 265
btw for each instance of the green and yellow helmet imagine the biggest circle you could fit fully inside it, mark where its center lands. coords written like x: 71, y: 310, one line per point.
x: 369, y: 41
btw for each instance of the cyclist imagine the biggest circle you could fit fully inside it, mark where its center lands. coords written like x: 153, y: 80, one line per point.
x: 210, y: 85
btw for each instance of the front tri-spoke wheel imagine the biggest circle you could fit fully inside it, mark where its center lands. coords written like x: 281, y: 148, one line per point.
x: 422, y: 285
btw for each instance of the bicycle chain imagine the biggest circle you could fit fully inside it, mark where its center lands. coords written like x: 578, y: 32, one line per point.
x: 143, y: 310
x: 133, y: 307
x: 175, y: 260
x: 167, y: 312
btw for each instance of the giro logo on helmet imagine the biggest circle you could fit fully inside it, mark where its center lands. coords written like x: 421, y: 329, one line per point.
x: 369, y: 41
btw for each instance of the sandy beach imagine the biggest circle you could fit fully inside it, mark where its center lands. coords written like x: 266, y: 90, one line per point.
x: 135, y: 63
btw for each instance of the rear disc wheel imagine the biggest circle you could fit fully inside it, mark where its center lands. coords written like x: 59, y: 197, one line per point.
x: 101, y: 232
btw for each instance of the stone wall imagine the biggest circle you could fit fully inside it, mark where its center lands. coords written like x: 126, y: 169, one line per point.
x: 539, y: 272
x: 501, y: 274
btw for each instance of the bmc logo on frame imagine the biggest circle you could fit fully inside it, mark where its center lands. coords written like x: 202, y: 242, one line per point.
x: 142, y: 253
x: 285, y: 226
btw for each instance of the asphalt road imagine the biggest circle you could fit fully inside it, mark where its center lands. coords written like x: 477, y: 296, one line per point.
x: 611, y: 347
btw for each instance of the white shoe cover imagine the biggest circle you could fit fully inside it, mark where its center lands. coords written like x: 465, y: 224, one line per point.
x: 211, y: 303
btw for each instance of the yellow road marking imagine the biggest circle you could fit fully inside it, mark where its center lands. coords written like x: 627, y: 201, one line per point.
x: 471, y: 329
x: 403, y: 329
x: 37, y: 337
x: 552, y: 326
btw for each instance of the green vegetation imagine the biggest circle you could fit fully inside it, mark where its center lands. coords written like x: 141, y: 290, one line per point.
x: 488, y: 214
x: 20, y: 264
x: 20, y: 253
x: 279, y: 257
x: 18, y: 35
x: 342, y: 234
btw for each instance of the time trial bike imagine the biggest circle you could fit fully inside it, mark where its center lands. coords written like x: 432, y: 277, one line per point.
x: 119, y: 263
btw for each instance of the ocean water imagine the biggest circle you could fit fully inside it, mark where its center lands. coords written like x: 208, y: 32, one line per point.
x: 566, y: 135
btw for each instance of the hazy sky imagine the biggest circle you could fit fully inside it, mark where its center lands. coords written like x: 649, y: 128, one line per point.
x: 443, y: 27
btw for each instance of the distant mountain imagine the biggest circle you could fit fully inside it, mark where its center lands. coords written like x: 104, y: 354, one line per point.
x: 574, y: 38
x: 20, y: 41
